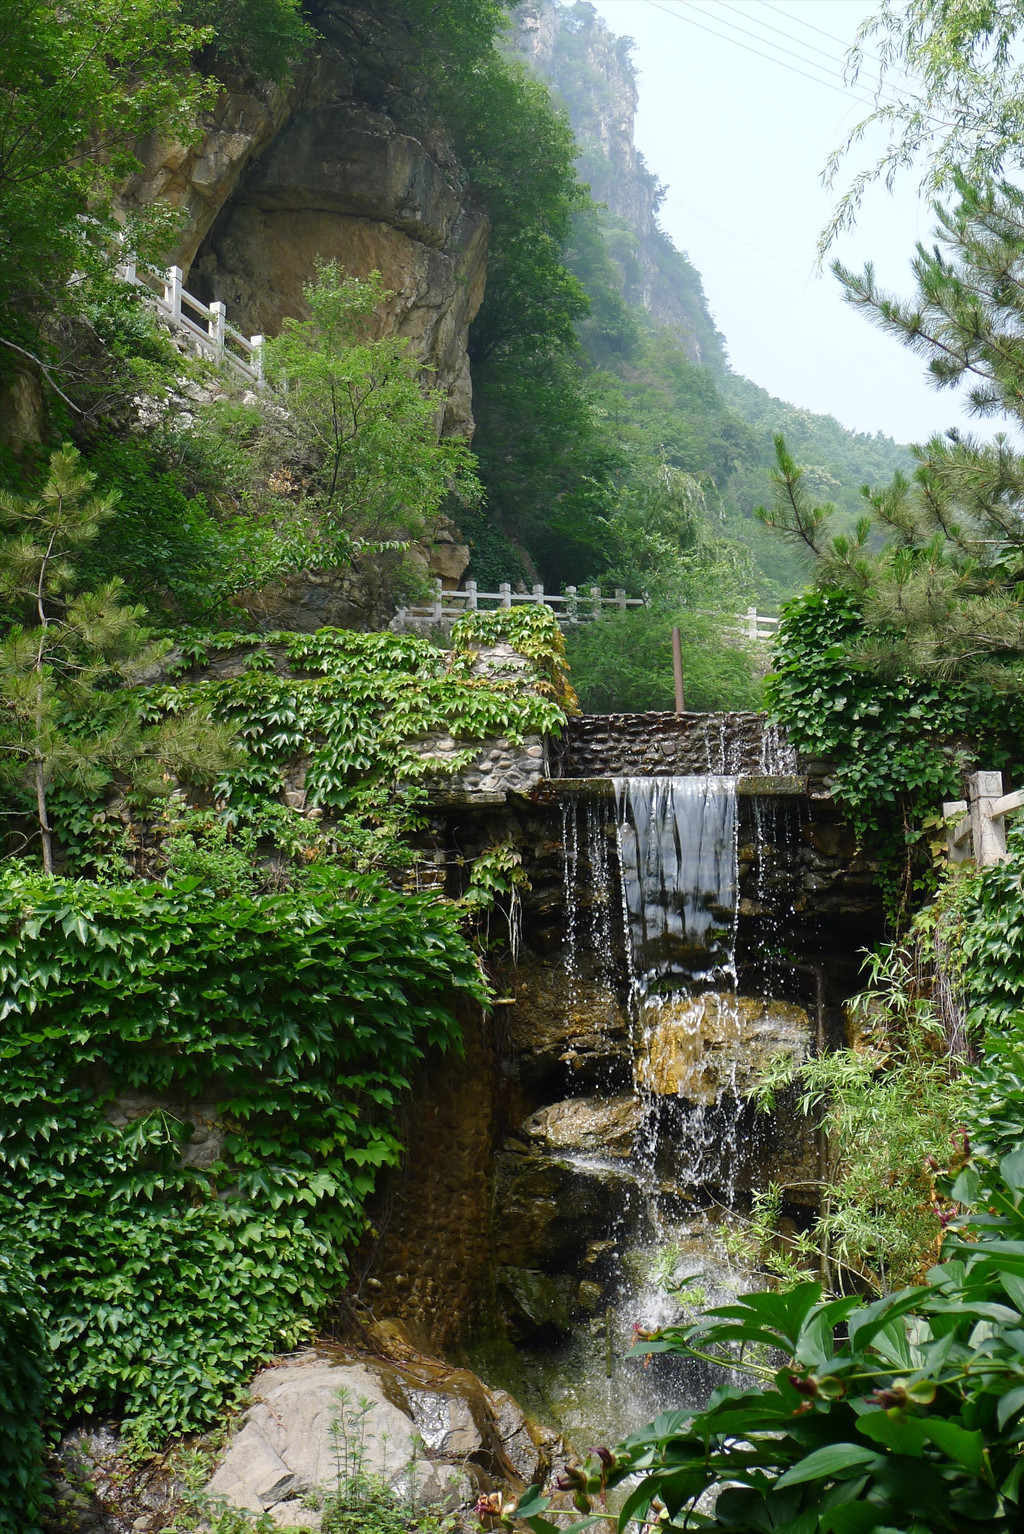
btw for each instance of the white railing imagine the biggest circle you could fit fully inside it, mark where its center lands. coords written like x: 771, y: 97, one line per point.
x: 574, y: 606
x: 205, y: 324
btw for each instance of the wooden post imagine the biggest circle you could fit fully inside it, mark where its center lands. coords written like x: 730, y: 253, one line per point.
x: 172, y: 294
x: 218, y: 327
x: 988, y: 831
x: 256, y: 342
x: 505, y: 591
x: 471, y: 596
x: 677, y: 671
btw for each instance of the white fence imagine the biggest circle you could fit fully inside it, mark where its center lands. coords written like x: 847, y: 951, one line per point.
x: 574, y: 606
x: 206, y: 325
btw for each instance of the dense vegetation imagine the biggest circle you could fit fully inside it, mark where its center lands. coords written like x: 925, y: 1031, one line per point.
x: 215, y: 976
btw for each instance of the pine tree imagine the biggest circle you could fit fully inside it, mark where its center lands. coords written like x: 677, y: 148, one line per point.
x: 69, y: 657
x: 937, y: 562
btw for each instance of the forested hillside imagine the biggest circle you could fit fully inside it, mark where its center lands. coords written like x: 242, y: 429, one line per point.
x: 703, y: 418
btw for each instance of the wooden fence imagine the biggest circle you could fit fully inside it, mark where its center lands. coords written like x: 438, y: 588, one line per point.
x: 206, y: 325
x: 572, y: 606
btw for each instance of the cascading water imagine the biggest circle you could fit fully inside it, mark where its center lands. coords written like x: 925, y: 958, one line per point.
x: 677, y: 859
x: 664, y: 854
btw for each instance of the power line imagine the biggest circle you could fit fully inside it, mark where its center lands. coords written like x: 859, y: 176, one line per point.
x: 841, y: 90
x: 875, y: 58
x: 825, y: 54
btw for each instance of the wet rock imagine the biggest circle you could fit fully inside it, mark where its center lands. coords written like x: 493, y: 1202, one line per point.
x: 549, y: 1210
x: 533, y: 1302
x: 570, y: 1023
x: 604, y: 1126
x: 522, y: 1442
x: 703, y: 1046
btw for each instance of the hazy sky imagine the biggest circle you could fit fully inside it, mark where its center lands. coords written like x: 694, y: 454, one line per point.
x: 740, y: 142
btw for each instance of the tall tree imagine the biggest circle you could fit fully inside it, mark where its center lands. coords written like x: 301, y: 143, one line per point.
x: 937, y: 562
x: 67, y: 657
x: 948, y: 83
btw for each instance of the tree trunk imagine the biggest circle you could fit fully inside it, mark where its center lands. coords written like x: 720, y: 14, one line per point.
x: 45, y: 830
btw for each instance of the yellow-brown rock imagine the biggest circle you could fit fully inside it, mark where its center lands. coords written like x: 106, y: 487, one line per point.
x: 701, y: 1047
x: 281, y: 179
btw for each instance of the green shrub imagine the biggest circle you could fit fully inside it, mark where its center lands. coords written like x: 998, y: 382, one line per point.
x: 24, y: 1370
x: 293, y: 1022
x: 623, y: 664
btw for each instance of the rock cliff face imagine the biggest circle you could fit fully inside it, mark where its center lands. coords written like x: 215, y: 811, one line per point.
x: 589, y: 68
x: 330, y: 170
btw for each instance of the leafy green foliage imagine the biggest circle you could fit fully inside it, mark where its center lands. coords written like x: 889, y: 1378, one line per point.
x: 900, y: 1415
x: 289, y: 1023
x: 66, y: 667
x: 959, y: 103
x: 983, y: 915
x: 79, y: 90
x: 899, y: 744
x: 359, y: 406
x: 266, y: 38
x: 892, y: 1110
x: 24, y: 1396
x: 623, y: 663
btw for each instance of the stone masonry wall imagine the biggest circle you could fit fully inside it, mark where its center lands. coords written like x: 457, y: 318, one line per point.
x: 641, y: 745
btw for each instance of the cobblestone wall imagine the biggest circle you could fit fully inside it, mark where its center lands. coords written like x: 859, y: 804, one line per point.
x: 641, y: 745
x: 498, y: 767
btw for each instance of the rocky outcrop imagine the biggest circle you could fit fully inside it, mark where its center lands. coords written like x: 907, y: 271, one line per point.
x: 329, y: 170
x: 599, y: 1126
x: 572, y: 49
x: 699, y: 1047
x: 435, y: 1434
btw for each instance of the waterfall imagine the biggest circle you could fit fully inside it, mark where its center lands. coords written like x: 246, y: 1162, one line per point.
x: 677, y: 854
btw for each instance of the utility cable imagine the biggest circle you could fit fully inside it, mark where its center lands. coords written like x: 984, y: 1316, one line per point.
x: 837, y: 63
x: 840, y: 90
x: 900, y: 89
x: 692, y: 213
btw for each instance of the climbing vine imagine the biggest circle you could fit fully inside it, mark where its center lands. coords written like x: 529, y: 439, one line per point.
x: 897, y: 745
x: 202, y: 1088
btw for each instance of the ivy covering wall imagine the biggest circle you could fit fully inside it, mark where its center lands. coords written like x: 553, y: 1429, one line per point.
x: 293, y: 1021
